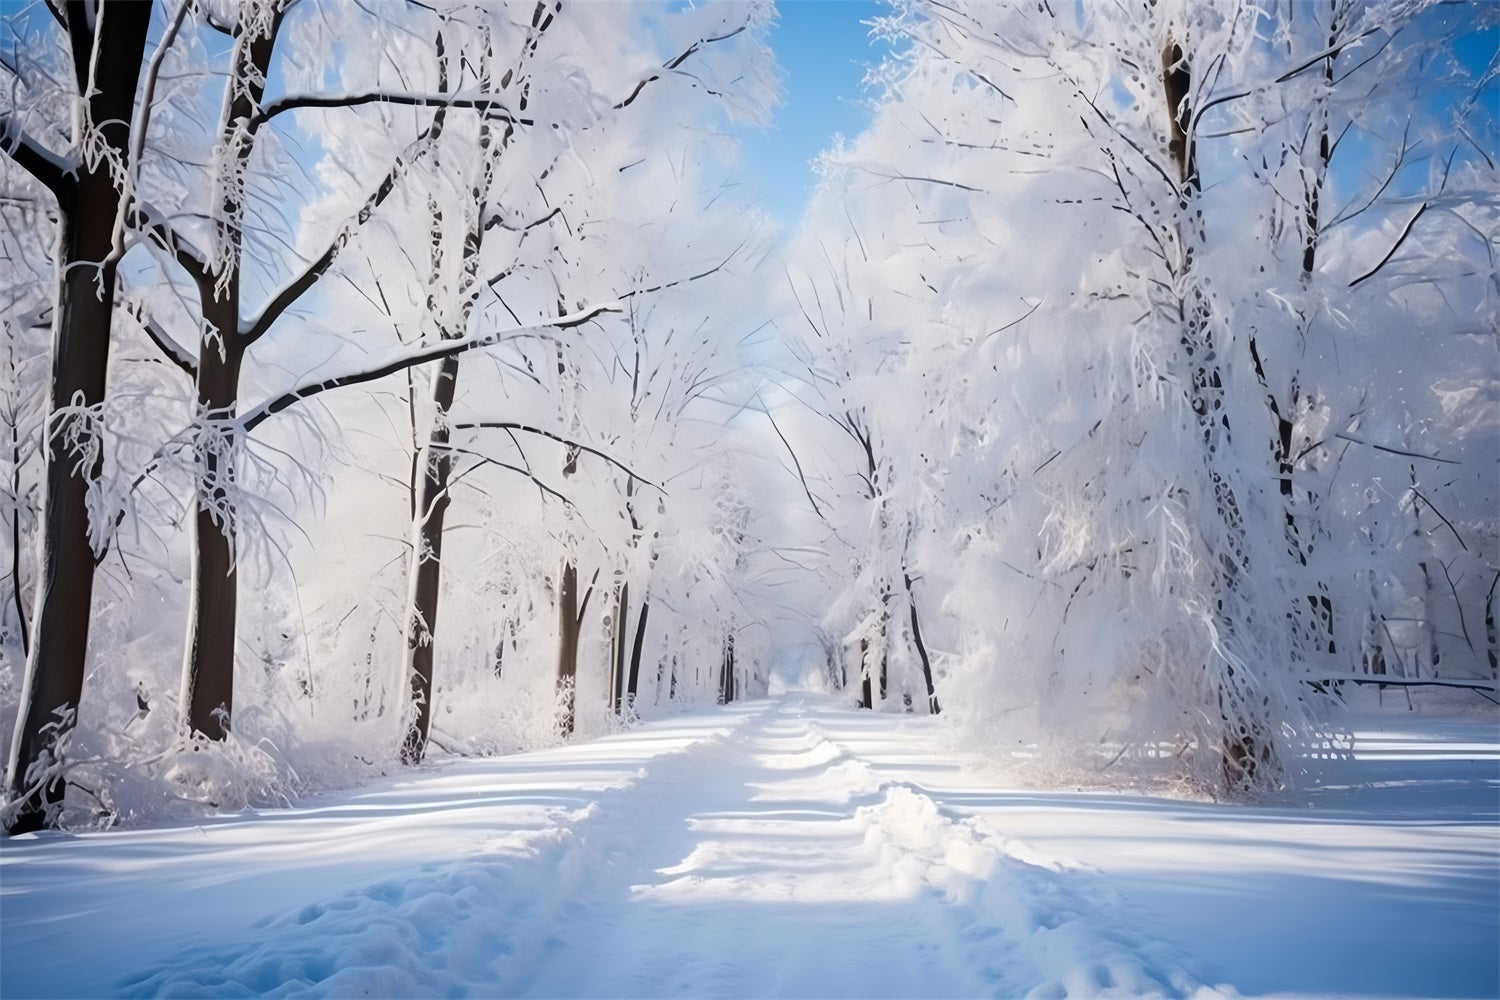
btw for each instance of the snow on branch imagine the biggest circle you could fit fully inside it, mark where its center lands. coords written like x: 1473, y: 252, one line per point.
x: 49, y: 169
x: 1391, y: 680
x: 147, y: 103
x: 170, y: 349
x: 253, y: 417
x: 920, y: 180
x: 297, y: 286
x: 801, y: 477
x: 1394, y: 247
x: 480, y: 461
x: 1331, y: 52
x: 143, y: 218
x: 672, y: 64
x: 491, y: 105
x: 499, y: 220
x: 551, y: 436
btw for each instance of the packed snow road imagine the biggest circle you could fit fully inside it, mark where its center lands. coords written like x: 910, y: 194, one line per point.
x: 783, y: 848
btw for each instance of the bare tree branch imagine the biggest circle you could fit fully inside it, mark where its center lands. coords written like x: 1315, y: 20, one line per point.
x: 1432, y: 507
x: 1395, y: 451
x: 1394, y: 247
x: 800, y: 476
x: 552, y: 436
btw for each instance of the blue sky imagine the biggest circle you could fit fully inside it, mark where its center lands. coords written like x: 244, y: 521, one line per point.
x: 823, y: 50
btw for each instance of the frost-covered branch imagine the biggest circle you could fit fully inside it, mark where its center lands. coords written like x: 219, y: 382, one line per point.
x: 297, y: 286
x: 552, y: 436
x: 1395, y: 451
x: 49, y: 169
x: 499, y: 220
x: 672, y: 64
x: 801, y: 477
x: 489, y: 104
x: 253, y: 417
x: 148, y: 88
x: 170, y: 349
x: 143, y: 218
x: 1394, y: 247
x: 480, y: 461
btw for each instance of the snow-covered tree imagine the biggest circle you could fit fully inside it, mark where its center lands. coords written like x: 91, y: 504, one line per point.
x: 1089, y: 233
x: 89, y: 64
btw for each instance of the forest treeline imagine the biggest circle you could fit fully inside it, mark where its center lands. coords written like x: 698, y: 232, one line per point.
x: 1129, y: 385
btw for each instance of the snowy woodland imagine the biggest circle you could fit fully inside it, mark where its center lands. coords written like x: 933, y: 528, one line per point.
x: 453, y: 532
x: 396, y: 382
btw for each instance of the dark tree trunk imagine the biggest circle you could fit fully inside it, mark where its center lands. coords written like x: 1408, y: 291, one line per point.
x: 619, y: 634
x: 632, y: 686
x: 1322, y: 605
x: 107, y: 70
x: 865, y: 698
x: 17, y: 590
x: 916, y: 638
x: 726, y: 672
x: 427, y: 563
x: 207, y: 697
x: 1491, y: 633
x: 567, y: 644
x: 434, y: 464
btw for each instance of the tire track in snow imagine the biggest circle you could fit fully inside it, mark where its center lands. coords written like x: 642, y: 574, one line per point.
x: 1052, y: 913
x: 763, y: 857
x: 447, y: 927
x: 784, y: 865
x: 757, y: 875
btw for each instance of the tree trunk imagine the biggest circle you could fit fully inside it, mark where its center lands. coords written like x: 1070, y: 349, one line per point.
x: 1322, y: 605
x: 1246, y: 746
x: 865, y: 698
x: 916, y: 638
x: 567, y: 644
x: 1491, y: 633
x: 1429, y: 627
x: 1312, y: 624
x: 618, y: 640
x: 107, y: 70
x: 207, y: 696
x: 726, y: 671
x: 633, y: 684
x: 427, y: 563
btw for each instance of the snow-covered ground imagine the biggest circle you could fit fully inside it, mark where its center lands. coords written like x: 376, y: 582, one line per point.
x: 787, y: 848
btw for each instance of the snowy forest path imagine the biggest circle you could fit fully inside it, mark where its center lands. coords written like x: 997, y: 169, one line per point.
x: 771, y: 848
x: 759, y: 870
x: 787, y: 847
x: 779, y: 857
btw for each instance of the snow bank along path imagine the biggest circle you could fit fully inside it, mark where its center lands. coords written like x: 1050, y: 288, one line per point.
x: 776, y: 848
